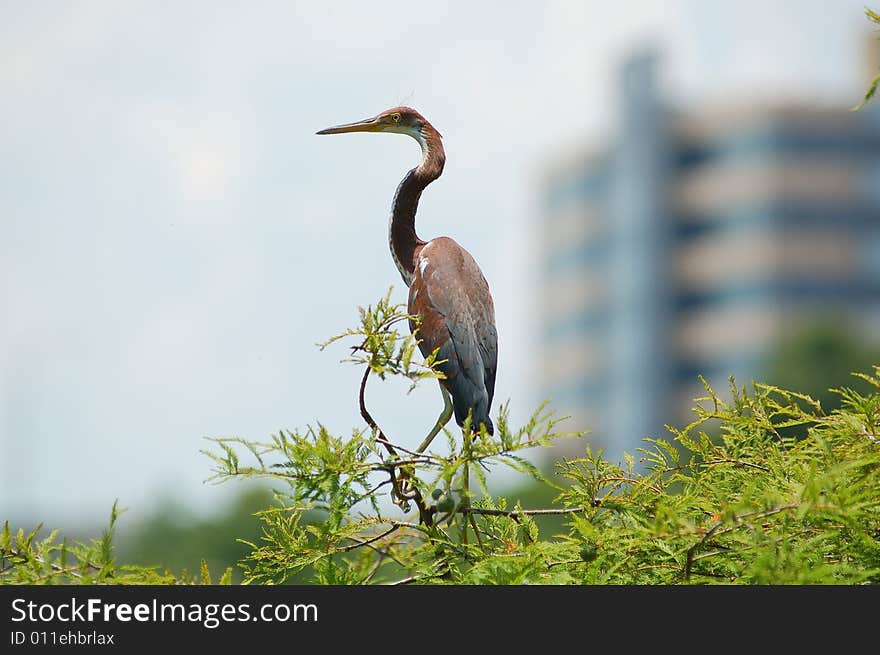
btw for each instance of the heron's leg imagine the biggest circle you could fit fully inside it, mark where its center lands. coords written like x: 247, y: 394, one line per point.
x: 466, y: 485
x: 406, y: 490
x: 442, y: 420
x: 467, y: 465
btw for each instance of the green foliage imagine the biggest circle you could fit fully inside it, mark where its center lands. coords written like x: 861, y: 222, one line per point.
x: 337, y: 476
x: 753, y: 505
x: 383, y: 348
x: 27, y: 559
x: 765, y: 486
x: 872, y: 88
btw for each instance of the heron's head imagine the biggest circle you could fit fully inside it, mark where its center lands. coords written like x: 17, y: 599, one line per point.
x: 400, y: 120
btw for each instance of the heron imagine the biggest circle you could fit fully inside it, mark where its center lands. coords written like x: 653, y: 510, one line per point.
x: 447, y: 291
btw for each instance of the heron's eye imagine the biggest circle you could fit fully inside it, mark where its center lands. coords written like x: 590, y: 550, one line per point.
x: 395, y: 118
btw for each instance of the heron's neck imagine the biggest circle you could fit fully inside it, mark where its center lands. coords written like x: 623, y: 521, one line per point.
x: 402, y: 228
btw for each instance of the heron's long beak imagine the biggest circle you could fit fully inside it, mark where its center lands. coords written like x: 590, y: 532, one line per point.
x: 366, y: 125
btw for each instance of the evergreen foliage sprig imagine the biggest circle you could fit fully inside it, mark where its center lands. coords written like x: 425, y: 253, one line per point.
x: 874, y: 17
x: 27, y: 558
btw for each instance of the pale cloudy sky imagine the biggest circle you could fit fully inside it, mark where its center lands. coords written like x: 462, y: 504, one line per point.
x: 174, y: 239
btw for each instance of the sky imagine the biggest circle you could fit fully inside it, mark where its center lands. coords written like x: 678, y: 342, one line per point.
x: 175, y: 240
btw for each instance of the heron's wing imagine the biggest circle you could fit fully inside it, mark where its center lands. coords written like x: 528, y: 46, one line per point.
x: 452, y: 298
x: 489, y: 350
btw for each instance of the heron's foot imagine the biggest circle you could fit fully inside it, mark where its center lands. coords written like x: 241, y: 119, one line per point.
x: 402, y: 503
x: 404, y: 491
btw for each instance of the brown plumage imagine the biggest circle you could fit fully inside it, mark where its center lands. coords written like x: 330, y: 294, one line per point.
x: 447, y: 289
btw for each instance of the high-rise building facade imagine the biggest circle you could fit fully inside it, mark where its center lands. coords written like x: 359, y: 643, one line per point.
x: 692, y: 244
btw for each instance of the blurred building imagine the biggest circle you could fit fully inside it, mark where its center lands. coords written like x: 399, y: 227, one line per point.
x: 692, y: 244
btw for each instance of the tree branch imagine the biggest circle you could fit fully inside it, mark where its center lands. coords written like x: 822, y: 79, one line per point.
x: 425, y: 513
x: 366, y: 542
x: 513, y: 513
x: 365, y: 414
x: 719, y: 529
x: 56, y: 569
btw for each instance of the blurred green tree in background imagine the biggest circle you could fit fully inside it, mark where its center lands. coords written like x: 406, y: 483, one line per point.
x: 821, y: 355
x: 176, y: 538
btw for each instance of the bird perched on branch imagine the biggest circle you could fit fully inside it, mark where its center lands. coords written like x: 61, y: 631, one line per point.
x: 447, y: 289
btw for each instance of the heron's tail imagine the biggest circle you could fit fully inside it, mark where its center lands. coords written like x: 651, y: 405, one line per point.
x: 468, y: 398
x: 478, y: 415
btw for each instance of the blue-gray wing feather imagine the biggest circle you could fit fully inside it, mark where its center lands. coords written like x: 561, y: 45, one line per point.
x: 452, y: 298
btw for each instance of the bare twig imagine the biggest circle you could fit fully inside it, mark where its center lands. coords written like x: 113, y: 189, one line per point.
x: 366, y: 542
x: 476, y: 531
x: 373, y: 490
x: 426, y: 514
x: 375, y: 568
x: 513, y: 513
x: 626, y: 480
x: 713, y: 462
x: 56, y: 569
x: 648, y: 567
x: 738, y: 462
x: 719, y: 529
x: 423, y: 457
x: 407, y: 524
x: 408, y: 580
x: 380, y: 436
x: 550, y: 565
x: 398, y: 463
x: 382, y: 552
